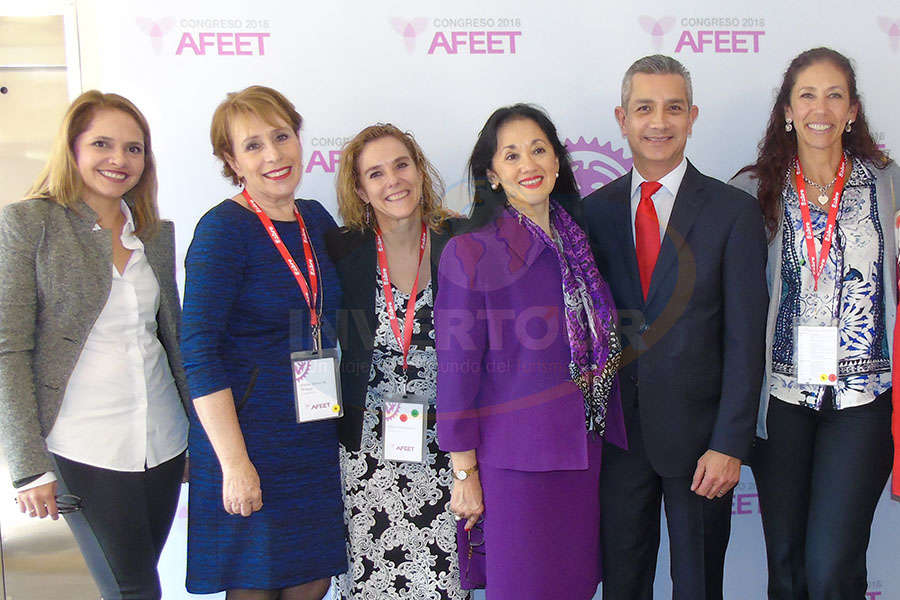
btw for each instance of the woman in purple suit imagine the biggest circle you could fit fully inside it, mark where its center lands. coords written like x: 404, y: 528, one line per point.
x: 527, y: 360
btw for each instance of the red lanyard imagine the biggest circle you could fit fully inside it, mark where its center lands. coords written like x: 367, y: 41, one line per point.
x: 818, y: 266
x: 311, y: 297
x: 404, y: 339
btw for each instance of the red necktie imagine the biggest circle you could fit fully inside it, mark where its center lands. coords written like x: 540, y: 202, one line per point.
x: 646, y: 233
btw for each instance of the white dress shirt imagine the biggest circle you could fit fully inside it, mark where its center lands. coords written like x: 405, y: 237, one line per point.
x: 121, y: 409
x: 663, y: 199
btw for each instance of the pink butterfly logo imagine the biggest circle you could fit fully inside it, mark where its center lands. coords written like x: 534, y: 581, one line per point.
x: 156, y: 30
x: 892, y: 28
x: 656, y: 28
x: 409, y: 30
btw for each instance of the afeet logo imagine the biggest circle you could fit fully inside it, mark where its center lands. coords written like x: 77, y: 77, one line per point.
x: 745, y: 500
x: 206, y: 36
x: 721, y: 35
x: 892, y: 28
x: 874, y: 590
x: 326, y: 155
x: 409, y: 30
x: 156, y: 30
x: 463, y: 35
x: 657, y: 28
x: 596, y: 165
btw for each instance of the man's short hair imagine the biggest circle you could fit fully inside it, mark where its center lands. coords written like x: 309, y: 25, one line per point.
x: 656, y: 64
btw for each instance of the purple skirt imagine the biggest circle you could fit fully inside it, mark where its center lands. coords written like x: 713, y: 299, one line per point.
x: 542, y: 531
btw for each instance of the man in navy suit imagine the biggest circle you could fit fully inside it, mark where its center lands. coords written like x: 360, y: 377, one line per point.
x: 685, y: 257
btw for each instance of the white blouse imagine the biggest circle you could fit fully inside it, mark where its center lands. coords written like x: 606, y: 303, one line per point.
x: 121, y: 409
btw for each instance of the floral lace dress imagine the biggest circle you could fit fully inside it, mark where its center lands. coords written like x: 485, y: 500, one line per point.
x: 402, y: 538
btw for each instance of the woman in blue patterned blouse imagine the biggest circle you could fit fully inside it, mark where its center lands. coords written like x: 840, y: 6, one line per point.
x: 265, y: 514
x: 824, y: 452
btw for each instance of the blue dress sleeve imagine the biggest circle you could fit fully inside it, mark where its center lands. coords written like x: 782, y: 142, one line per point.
x: 214, y: 268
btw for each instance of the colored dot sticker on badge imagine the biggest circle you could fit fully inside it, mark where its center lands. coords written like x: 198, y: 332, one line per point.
x: 414, y: 413
x: 403, y: 418
x: 832, y: 378
x: 335, y: 409
x: 823, y: 377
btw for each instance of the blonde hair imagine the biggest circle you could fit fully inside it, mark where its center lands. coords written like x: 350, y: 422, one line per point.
x: 351, y: 207
x: 60, y: 181
x: 269, y: 105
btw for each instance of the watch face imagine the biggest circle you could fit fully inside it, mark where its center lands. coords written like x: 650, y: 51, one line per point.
x: 461, y: 475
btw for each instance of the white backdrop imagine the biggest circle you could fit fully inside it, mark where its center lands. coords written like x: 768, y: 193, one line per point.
x: 439, y: 69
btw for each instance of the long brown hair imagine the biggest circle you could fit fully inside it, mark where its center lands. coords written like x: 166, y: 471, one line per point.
x: 779, y: 147
x: 60, y: 181
x: 353, y: 210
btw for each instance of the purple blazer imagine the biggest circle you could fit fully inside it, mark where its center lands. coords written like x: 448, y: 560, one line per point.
x: 503, y: 383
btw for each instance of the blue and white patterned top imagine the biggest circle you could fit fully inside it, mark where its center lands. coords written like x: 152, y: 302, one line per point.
x: 851, y: 292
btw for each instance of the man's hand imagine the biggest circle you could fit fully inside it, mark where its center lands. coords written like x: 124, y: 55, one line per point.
x: 716, y: 474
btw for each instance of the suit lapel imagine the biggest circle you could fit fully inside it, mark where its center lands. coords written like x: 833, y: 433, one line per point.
x: 688, y: 203
x: 96, y: 248
x: 625, y: 230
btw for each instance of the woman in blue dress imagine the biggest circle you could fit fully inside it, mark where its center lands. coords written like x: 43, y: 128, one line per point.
x: 265, y: 514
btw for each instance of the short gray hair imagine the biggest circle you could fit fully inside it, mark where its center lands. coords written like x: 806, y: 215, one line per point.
x: 656, y: 64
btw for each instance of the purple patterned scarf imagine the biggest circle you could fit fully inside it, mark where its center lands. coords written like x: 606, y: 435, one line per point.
x: 590, y: 313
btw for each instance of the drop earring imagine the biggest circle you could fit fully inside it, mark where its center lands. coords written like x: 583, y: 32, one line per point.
x: 848, y: 128
x: 788, y: 125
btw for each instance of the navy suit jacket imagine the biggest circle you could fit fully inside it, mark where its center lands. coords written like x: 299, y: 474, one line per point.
x: 693, y: 352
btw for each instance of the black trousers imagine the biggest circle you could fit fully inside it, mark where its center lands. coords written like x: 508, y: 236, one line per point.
x: 631, y: 493
x: 124, y: 523
x: 819, y: 477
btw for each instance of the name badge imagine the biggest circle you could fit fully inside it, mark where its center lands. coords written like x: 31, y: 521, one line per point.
x: 404, y: 422
x: 317, y: 385
x: 817, y: 355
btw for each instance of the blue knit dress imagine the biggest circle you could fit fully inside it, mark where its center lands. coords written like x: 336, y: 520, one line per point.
x: 243, y: 316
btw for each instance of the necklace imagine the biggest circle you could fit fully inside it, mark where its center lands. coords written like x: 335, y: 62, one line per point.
x: 823, y: 189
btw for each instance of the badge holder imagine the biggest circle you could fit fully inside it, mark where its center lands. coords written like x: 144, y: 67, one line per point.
x: 404, y: 422
x: 817, y: 355
x: 317, y: 385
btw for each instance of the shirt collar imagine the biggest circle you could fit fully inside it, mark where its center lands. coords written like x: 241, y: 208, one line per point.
x: 671, y: 181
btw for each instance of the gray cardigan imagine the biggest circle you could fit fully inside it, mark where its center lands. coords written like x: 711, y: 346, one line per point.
x: 55, y: 278
x: 887, y: 184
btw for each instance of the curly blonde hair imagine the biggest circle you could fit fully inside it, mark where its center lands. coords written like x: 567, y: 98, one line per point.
x: 269, y: 105
x: 351, y: 207
x: 59, y: 181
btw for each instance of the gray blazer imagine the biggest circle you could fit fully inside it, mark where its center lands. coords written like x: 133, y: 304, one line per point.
x: 885, y: 181
x: 55, y: 278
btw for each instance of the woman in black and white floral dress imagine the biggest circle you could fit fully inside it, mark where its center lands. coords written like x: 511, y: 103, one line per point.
x: 401, y: 537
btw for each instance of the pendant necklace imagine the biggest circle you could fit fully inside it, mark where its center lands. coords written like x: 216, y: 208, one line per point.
x: 823, y: 189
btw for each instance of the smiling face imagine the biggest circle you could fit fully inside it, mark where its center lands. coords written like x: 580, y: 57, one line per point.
x: 524, y: 164
x: 389, y: 180
x: 266, y: 157
x: 109, y: 155
x: 820, y: 107
x: 657, y: 122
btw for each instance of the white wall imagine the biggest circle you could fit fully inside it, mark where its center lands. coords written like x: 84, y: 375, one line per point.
x: 348, y: 64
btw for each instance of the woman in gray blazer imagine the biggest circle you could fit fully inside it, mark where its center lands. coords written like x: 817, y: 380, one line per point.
x: 92, y: 391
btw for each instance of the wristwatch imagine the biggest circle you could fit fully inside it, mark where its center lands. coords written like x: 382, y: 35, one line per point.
x: 463, y: 474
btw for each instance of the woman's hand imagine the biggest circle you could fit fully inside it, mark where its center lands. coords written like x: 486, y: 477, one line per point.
x: 39, y: 501
x: 241, y: 494
x: 466, y: 499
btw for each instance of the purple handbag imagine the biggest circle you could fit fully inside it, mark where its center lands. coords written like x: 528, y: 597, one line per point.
x: 470, y: 547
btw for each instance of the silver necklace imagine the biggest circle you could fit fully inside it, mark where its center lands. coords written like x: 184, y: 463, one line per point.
x: 823, y: 189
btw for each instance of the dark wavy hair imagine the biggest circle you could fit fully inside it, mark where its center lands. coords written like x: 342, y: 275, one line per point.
x: 488, y: 203
x: 778, y: 147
